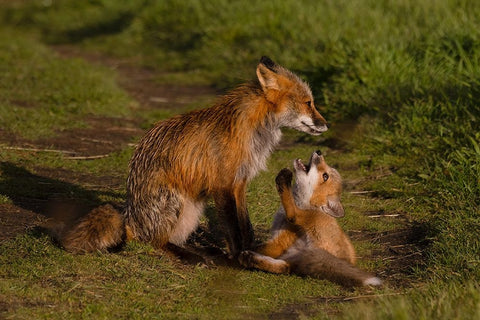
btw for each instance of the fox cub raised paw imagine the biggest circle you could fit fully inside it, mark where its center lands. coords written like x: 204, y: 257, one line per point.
x: 283, y: 179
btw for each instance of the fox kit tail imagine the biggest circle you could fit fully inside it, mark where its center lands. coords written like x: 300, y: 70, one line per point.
x: 101, y: 229
x: 315, y: 262
x: 321, y: 264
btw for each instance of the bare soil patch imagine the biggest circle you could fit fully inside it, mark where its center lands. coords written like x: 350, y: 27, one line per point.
x: 103, y: 136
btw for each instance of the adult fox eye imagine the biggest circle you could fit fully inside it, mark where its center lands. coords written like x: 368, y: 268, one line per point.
x: 325, y: 176
x: 309, y: 103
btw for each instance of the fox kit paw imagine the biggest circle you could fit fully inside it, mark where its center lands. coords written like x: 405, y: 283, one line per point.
x: 284, y: 179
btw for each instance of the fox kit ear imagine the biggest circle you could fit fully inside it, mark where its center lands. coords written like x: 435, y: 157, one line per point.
x: 267, y: 77
x: 333, y: 207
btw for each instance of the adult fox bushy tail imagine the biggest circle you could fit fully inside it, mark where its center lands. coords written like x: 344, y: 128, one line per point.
x: 101, y: 229
x: 209, y: 153
x: 306, y: 238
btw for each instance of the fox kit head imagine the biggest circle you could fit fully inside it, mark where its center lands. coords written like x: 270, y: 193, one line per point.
x: 317, y: 185
x: 291, y: 98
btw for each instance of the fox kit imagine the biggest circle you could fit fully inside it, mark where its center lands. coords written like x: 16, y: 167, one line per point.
x: 306, y: 238
x: 212, y: 152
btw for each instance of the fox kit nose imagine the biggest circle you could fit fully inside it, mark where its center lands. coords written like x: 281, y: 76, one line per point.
x: 318, y: 152
x: 315, y: 159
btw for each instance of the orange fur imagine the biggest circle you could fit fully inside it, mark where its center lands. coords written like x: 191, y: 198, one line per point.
x: 277, y: 245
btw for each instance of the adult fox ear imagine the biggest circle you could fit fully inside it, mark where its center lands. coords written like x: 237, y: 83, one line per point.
x: 266, y: 75
x: 267, y: 62
x: 333, y: 207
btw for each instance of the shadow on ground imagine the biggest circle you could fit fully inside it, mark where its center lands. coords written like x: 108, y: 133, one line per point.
x: 36, y: 197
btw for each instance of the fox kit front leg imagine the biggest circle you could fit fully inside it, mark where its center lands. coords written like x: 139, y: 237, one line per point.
x: 284, y: 237
x: 283, y: 181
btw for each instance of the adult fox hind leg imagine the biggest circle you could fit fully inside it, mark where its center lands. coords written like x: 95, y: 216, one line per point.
x: 153, y: 218
x: 187, y: 221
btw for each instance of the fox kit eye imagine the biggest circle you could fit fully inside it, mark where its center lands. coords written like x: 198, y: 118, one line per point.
x: 309, y: 103
x: 325, y: 176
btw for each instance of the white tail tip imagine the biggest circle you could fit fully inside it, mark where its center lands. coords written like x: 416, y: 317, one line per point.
x: 373, y: 281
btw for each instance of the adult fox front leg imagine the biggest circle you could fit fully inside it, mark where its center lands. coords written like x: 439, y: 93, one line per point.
x: 232, y: 208
x: 214, y: 152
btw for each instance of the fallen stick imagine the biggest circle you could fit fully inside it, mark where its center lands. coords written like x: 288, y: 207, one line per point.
x: 374, y: 296
x: 87, y: 157
x: 384, y: 215
x: 58, y: 151
x: 38, y: 150
x: 361, y: 192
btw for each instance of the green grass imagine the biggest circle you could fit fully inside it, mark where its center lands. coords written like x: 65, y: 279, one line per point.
x: 60, y: 91
x: 440, y: 300
x: 407, y: 72
x: 45, y: 281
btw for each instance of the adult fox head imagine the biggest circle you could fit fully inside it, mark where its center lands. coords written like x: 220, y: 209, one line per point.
x: 290, y: 97
x: 318, y: 185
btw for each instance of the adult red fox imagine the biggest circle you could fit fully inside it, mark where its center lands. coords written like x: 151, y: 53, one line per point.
x: 212, y: 152
x: 307, y: 239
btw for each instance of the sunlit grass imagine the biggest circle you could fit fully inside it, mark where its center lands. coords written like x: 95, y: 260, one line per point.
x: 41, y: 93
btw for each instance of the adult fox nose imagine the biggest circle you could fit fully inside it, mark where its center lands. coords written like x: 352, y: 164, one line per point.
x: 320, y: 121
